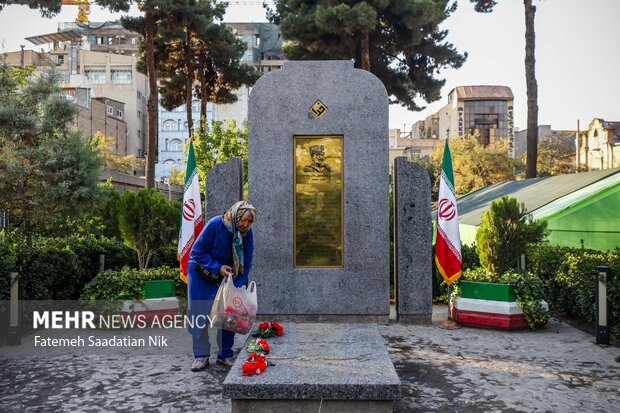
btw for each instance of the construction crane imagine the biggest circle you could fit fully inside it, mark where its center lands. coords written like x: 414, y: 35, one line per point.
x: 83, y: 8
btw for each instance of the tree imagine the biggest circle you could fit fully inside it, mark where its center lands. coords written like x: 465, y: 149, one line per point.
x: 48, y: 172
x: 505, y: 231
x: 195, y: 45
x: 154, y: 14
x: 486, y: 6
x: 145, y: 25
x: 147, y: 221
x: 111, y: 160
x: 556, y: 155
x: 397, y: 40
x: 220, y: 143
x: 474, y: 165
x: 102, y: 219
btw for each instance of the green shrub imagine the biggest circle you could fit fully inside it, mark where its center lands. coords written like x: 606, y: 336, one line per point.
x: 147, y: 222
x: 165, y: 256
x: 57, y: 268
x: 529, y: 290
x: 569, y: 276
x: 126, y: 284
x: 505, y: 231
x: 8, y: 260
x: 470, y: 262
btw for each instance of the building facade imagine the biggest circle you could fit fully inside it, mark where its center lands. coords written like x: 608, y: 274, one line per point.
x: 545, y: 135
x: 486, y: 112
x: 173, y: 134
x: 86, y: 74
x: 599, y: 146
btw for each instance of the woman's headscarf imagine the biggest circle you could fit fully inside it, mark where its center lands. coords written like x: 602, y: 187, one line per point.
x: 230, y: 219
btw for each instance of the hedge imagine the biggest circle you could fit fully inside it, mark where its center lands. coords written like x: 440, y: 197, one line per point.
x: 126, y: 284
x: 570, y: 277
x: 58, y: 268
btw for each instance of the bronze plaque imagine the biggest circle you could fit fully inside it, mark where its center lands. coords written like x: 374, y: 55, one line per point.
x: 318, y: 206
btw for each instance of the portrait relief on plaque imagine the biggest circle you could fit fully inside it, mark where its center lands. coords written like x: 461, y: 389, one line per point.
x: 318, y: 204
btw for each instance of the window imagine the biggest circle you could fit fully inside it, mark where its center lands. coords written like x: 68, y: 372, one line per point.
x: 139, y: 114
x: 196, y: 106
x: 170, y: 125
x: 110, y: 110
x: 119, y: 114
x: 134, y: 40
x: 97, y: 75
x: 110, y: 40
x: 121, y: 75
x: 176, y: 145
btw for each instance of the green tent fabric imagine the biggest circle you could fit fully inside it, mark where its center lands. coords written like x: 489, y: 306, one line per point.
x: 591, y: 222
x: 581, y: 209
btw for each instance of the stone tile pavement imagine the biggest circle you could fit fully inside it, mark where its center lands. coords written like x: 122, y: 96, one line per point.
x: 557, y: 369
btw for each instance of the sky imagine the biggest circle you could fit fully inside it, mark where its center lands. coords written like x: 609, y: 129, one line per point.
x: 577, y: 54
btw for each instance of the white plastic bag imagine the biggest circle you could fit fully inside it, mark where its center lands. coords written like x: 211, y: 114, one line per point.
x: 234, y: 309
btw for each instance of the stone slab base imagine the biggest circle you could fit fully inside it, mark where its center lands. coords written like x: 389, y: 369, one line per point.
x: 319, y: 361
x: 311, y: 406
x: 326, y: 318
x: 415, y: 318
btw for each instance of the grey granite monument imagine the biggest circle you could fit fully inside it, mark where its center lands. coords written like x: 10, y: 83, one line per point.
x: 413, y: 237
x: 224, y: 187
x: 342, y: 368
x: 319, y: 177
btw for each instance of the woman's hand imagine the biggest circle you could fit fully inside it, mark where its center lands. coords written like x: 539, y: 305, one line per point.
x: 226, y: 270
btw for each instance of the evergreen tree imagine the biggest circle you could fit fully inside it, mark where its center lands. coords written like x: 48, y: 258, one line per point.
x: 397, y: 40
x: 147, y: 221
x: 505, y: 230
x: 48, y: 172
x: 155, y: 12
x: 194, y: 45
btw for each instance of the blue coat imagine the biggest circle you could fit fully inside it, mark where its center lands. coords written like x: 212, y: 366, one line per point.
x: 212, y: 249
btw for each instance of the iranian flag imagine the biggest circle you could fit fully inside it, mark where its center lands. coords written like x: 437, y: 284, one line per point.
x: 448, y: 241
x: 191, y: 215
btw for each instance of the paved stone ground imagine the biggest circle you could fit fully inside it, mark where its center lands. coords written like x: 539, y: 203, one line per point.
x: 558, y: 369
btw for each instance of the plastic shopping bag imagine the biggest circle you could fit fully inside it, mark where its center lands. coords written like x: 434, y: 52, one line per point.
x: 234, y: 309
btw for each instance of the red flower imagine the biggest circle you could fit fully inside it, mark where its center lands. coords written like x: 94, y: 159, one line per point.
x: 256, y: 364
x: 263, y: 326
x: 279, y: 330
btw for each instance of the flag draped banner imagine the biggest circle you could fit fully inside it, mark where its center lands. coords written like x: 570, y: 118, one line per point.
x: 191, y: 214
x: 448, y: 241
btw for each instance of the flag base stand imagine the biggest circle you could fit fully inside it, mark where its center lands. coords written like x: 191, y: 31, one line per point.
x: 449, y: 325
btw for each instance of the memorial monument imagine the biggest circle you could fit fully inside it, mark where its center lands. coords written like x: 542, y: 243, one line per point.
x: 319, y: 178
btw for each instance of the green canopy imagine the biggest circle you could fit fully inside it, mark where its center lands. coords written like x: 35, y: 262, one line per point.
x: 582, y: 209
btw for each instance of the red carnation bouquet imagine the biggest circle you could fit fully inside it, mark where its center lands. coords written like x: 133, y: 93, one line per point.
x: 266, y: 330
x: 255, y: 364
x: 258, y: 346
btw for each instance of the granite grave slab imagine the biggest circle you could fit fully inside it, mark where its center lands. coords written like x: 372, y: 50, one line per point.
x: 343, y: 367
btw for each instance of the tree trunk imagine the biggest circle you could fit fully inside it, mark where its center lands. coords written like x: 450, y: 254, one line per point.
x: 532, y: 91
x: 151, y: 127
x: 189, y: 81
x: 202, y: 63
x: 365, y: 51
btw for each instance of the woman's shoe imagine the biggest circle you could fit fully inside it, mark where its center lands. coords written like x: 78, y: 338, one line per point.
x: 228, y: 362
x: 200, y: 363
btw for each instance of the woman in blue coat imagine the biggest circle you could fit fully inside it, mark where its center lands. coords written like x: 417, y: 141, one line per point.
x: 223, y: 249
